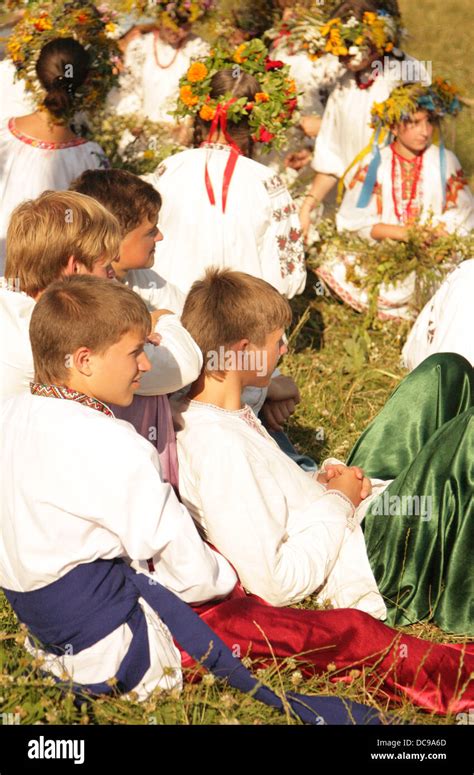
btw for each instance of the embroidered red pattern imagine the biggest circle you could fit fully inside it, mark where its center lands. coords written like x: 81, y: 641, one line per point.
x: 42, y: 143
x: 455, y: 183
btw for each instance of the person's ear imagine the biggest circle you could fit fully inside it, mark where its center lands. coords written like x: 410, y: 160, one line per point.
x: 82, y: 361
x: 241, y: 345
x: 73, y: 266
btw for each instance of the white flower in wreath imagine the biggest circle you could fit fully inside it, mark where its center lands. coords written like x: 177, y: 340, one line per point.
x: 390, y: 26
x: 357, y: 54
x: 352, y: 22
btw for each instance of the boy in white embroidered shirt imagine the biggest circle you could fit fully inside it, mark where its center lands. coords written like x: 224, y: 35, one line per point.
x: 285, y: 533
x: 87, y: 486
x: 289, y: 534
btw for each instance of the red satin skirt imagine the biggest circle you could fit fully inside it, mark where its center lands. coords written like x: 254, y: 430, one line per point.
x: 433, y: 676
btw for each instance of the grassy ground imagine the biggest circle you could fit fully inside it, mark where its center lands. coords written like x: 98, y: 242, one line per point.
x: 345, y: 377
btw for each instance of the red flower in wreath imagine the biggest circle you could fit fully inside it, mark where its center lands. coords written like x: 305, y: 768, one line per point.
x: 264, y: 136
x: 291, y: 104
x: 273, y: 64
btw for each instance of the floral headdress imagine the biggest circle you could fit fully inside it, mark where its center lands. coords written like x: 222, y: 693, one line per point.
x: 169, y: 14
x: 301, y: 32
x: 376, y: 31
x: 440, y: 99
x: 270, y: 113
x: 93, y: 27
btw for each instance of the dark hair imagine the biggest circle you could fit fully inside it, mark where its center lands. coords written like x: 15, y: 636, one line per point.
x: 254, y: 17
x: 122, y: 193
x: 357, y: 8
x: 234, y: 83
x: 62, y: 67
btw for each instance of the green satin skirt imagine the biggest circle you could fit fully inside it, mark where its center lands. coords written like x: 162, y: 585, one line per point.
x: 420, y: 531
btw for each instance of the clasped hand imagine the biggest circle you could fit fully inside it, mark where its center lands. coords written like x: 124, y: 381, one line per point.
x: 349, y: 480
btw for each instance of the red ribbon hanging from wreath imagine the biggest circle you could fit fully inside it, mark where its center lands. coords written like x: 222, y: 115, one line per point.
x: 220, y: 122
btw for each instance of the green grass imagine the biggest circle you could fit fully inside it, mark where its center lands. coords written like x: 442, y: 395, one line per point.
x: 345, y: 377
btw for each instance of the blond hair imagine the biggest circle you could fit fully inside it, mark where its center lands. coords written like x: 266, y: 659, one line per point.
x: 226, y: 306
x: 43, y: 233
x: 81, y: 311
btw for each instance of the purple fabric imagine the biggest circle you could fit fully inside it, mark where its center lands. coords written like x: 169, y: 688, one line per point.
x: 151, y: 417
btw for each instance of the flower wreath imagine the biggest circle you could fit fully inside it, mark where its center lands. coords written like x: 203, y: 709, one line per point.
x: 378, y: 32
x: 270, y: 113
x: 300, y: 32
x: 170, y: 14
x: 93, y: 27
x: 439, y: 99
x: 308, y: 31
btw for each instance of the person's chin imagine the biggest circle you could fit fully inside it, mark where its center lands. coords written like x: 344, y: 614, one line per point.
x: 126, y: 398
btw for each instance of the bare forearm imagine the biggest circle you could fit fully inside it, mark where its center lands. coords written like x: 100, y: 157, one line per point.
x: 320, y: 187
x: 389, y: 231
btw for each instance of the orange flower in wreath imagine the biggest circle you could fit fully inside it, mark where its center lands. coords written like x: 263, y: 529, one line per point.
x: 261, y: 96
x: 207, y: 112
x: 197, y: 72
x: 238, y: 53
x: 187, y: 96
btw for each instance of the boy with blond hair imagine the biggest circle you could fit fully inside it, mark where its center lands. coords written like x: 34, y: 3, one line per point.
x: 67, y: 232
x: 289, y: 535
x: 60, y: 233
x: 109, y: 628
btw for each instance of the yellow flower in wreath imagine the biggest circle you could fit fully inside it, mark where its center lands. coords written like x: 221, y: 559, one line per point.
x: 369, y: 17
x: 238, y: 53
x: 42, y: 24
x: 197, y: 72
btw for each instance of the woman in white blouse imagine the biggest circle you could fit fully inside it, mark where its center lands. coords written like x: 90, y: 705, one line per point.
x: 253, y: 225
x: 39, y: 151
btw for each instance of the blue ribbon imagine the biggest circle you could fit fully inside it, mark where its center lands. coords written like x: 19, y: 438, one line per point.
x: 442, y: 167
x: 371, y: 177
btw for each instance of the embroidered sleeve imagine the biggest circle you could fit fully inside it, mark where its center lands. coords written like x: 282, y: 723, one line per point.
x: 283, y: 241
x: 356, y: 219
x: 458, y: 214
x: 359, y: 176
x: 454, y: 185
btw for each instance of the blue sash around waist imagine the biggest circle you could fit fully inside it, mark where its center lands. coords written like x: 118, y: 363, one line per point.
x: 92, y: 600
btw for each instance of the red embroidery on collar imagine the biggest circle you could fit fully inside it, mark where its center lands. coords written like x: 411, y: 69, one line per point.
x: 45, y: 146
x: 61, y: 391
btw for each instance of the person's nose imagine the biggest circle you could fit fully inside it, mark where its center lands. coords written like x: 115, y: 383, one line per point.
x: 143, y: 362
x: 159, y: 236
